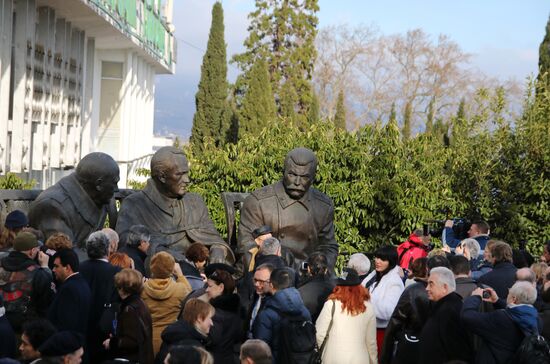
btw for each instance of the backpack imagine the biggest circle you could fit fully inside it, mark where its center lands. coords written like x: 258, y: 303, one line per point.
x: 298, y: 343
x: 533, y: 350
x: 16, y: 293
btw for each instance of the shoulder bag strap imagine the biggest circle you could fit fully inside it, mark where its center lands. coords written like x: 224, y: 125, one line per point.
x: 329, y: 327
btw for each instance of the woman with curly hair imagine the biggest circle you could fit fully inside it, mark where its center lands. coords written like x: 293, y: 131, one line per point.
x: 346, y: 327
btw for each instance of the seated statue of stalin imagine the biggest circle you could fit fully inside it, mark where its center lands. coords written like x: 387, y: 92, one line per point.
x: 77, y: 205
x: 300, y: 216
x: 175, y: 217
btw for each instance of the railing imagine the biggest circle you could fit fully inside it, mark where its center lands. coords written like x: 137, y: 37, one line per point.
x: 142, y: 20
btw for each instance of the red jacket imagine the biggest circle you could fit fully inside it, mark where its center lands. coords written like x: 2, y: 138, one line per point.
x: 410, y: 250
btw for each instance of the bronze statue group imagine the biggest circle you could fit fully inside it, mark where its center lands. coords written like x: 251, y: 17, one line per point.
x: 161, y: 285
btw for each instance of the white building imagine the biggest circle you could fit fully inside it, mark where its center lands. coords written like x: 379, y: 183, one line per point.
x: 78, y: 76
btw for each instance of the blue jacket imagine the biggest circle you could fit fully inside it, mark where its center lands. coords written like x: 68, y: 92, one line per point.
x: 267, y: 324
x: 70, y: 308
x: 501, y: 278
x: 450, y: 240
x: 499, y: 330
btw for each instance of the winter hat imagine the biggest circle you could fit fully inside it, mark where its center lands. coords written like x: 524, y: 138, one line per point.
x: 61, y: 343
x: 25, y: 241
x: 262, y: 230
x: 162, y: 265
x: 349, y: 277
x: 16, y: 220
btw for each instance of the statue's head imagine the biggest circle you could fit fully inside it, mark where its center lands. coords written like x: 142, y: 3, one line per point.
x: 170, y: 171
x: 98, y: 174
x: 299, y: 173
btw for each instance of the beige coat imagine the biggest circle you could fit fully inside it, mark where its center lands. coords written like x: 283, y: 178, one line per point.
x: 163, y: 297
x: 352, y: 339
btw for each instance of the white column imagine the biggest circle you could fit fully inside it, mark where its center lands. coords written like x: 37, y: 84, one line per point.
x: 6, y: 17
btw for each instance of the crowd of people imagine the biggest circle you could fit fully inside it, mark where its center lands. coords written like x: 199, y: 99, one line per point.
x: 476, y: 300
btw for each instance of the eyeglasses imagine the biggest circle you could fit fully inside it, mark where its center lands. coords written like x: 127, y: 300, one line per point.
x: 260, y: 281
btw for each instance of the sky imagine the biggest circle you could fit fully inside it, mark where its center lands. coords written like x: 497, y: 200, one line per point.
x: 503, y: 37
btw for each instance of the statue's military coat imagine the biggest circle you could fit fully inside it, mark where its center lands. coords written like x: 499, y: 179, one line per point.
x: 303, y: 226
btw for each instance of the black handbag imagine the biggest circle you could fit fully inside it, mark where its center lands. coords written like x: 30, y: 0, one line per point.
x: 108, y: 320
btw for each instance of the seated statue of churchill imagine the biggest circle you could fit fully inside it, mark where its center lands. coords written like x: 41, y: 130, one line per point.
x: 176, y: 218
x: 77, y: 204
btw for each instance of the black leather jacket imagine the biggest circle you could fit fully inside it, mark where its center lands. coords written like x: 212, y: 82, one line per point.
x: 410, y: 314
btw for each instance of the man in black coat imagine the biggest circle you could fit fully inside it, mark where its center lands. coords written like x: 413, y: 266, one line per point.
x: 501, y: 331
x: 317, y: 286
x: 137, y: 245
x: 443, y: 338
x: 70, y: 308
x: 99, y: 274
x: 503, y: 275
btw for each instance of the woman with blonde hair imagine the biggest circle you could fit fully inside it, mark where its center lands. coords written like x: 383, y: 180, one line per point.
x: 346, y: 327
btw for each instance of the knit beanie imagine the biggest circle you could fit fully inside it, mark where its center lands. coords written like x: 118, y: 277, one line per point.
x: 162, y: 265
x: 16, y: 220
x: 25, y: 241
x: 61, y: 343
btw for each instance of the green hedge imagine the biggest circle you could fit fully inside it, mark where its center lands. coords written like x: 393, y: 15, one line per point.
x: 383, y: 186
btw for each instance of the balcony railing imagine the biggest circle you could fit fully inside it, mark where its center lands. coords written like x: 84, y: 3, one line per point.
x: 142, y: 20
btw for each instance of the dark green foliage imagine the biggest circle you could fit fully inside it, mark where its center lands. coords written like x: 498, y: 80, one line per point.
x: 212, y: 118
x: 282, y: 32
x: 340, y: 114
x: 258, y: 103
x: 407, y: 120
x: 544, y: 59
x: 393, y: 115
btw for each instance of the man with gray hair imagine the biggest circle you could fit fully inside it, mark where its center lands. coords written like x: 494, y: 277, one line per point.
x: 443, y: 338
x: 503, y: 330
x: 99, y: 274
x: 470, y: 249
x: 526, y: 275
x: 137, y: 246
x: 360, y: 263
x: 113, y: 239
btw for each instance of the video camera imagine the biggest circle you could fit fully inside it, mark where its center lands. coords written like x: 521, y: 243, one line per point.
x: 460, y: 227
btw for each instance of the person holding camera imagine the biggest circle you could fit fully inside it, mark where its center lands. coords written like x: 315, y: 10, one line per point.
x: 503, y: 330
x: 24, y: 283
x: 479, y: 230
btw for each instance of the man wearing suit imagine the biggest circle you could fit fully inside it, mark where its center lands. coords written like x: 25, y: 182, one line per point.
x: 99, y: 274
x: 70, y: 308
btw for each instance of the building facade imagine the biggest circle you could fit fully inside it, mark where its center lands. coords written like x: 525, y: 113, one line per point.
x: 78, y: 76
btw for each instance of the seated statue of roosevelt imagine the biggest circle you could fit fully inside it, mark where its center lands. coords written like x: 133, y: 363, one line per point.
x: 176, y: 218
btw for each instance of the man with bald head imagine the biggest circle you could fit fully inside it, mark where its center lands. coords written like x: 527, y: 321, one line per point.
x: 176, y: 218
x: 77, y: 204
x: 301, y: 216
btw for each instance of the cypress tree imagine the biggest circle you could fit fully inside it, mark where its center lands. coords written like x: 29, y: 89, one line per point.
x: 340, y: 114
x: 407, y: 116
x: 288, y: 103
x: 393, y: 115
x: 258, y: 103
x: 212, y: 116
x: 313, y: 113
x: 430, y: 116
x: 544, y: 60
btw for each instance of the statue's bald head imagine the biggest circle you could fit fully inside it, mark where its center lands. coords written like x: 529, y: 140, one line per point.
x: 98, y: 174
